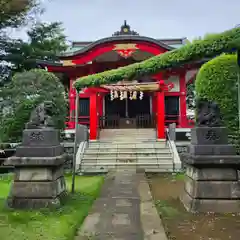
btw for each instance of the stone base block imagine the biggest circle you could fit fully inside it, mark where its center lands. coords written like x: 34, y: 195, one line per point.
x: 39, y: 151
x: 210, y: 205
x: 38, y: 174
x: 38, y: 203
x: 212, y: 189
x: 217, y: 174
x: 212, y: 149
x: 36, y: 190
x: 209, y: 135
x: 223, y: 160
x: 41, y: 137
x: 35, y: 161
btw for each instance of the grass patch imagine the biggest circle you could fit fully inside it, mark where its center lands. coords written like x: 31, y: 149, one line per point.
x: 179, y: 176
x: 60, y: 224
x: 166, y: 209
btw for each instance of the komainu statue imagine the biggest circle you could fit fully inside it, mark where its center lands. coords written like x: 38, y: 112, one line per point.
x: 41, y: 116
x: 208, y: 114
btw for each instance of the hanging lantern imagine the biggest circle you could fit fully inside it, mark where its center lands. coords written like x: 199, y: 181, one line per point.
x: 141, y: 95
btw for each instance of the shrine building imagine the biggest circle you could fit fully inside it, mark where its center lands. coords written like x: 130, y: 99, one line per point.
x: 146, y: 102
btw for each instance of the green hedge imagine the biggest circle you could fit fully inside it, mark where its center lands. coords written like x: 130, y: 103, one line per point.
x: 207, y: 48
x: 217, y: 81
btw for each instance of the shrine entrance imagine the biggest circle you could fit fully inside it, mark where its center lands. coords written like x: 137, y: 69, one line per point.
x: 128, y: 112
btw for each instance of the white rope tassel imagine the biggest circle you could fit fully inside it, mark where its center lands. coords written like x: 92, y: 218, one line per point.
x: 121, y: 95
x: 141, y: 95
x: 115, y: 94
x: 112, y: 95
x: 134, y: 96
x: 130, y: 95
x: 125, y: 95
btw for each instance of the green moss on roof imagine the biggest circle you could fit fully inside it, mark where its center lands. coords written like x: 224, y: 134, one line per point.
x: 206, y: 48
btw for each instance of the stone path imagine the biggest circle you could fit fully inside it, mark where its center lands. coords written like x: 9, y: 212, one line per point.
x: 120, y: 212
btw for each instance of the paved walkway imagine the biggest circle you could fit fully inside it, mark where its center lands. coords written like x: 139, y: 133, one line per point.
x: 123, y: 211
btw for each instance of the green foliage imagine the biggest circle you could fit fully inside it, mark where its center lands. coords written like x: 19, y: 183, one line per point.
x: 45, y: 42
x: 14, y: 124
x: 24, y: 93
x: 199, y: 50
x: 217, y: 81
x: 206, y: 36
x: 14, y: 12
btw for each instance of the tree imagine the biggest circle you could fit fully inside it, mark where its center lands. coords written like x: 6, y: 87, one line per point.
x: 45, y: 42
x: 14, y: 13
x: 23, y: 94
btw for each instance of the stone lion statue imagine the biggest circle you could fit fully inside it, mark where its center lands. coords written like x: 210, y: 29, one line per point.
x: 207, y: 114
x: 41, y: 116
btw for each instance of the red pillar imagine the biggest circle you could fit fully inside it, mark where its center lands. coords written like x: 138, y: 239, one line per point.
x: 183, y: 101
x: 160, y: 115
x: 93, y: 116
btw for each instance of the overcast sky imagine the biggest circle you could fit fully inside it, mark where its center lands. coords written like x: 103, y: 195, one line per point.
x: 89, y: 20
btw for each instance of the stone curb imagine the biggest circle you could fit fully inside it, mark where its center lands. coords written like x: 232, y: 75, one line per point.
x: 151, y: 222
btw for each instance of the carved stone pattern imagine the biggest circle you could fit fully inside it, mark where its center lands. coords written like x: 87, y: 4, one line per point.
x: 212, y: 135
x: 36, y: 136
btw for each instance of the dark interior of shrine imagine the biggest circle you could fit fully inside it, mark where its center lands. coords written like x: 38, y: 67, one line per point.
x: 127, y: 108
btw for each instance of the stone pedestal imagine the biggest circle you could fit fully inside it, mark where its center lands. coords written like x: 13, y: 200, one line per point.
x: 212, y: 181
x: 39, y: 180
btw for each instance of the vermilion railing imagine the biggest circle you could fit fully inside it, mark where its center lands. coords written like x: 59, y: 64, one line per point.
x: 142, y: 121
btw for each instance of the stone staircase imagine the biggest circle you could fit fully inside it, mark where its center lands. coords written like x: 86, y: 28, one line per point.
x: 131, y: 148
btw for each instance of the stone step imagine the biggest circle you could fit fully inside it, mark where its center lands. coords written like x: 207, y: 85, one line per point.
x: 104, y: 170
x: 139, y: 158
x: 126, y: 141
x: 128, y: 145
x: 102, y: 151
x: 127, y: 131
x: 162, y: 164
x: 128, y: 135
x: 116, y: 152
x: 154, y: 168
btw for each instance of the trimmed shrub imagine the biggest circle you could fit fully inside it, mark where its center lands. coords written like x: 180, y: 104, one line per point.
x: 25, y: 92
x: 217, y: 81
x: 206, y: 48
